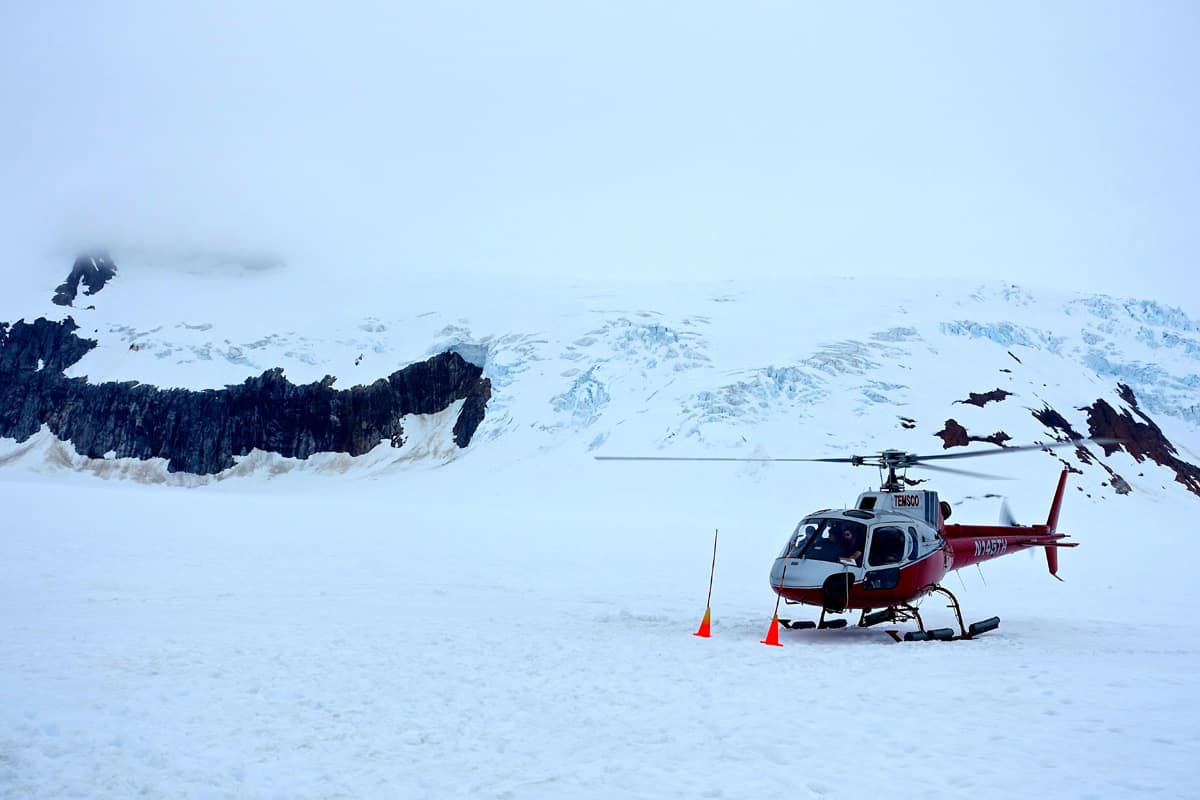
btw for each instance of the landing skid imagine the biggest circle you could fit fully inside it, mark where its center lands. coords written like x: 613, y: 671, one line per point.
x: 807, y: 624
x: 906, y: 613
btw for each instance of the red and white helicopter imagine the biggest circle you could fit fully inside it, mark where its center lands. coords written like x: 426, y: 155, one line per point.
x: 894, y: 546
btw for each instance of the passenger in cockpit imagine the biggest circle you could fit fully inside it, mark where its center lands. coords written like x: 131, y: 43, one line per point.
x: 851, y: 548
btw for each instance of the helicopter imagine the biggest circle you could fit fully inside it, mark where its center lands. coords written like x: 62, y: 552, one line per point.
x: 894, y: 547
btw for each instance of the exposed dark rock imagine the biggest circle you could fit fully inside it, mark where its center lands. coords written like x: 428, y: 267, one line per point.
x: 1141, y: 440
x: 201, y: 431
x: 981, y: 400
x: 907, y: 423
x: 1126, y: 394
x: 472, y: 411
x: 1014, y: 358
x: 45, y: 345
x: 1069, y: 467
x: 93, y: 270
x: 1057, y: 422
x: 1064, y: 433
x: 955, y: 435
x: 1083, y: 454
x: 1119, y: 484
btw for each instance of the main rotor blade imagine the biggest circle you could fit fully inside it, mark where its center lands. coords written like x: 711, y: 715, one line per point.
x: 874, y: 460
x: 1017, y: 449
x: 985, y: 475
x: 715, y: 458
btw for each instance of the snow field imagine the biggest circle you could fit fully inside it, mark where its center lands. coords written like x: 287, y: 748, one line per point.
x: 302, y: 638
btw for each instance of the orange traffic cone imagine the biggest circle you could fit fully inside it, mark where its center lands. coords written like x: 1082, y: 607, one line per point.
x: 773, y: 633
x: 705, y: 624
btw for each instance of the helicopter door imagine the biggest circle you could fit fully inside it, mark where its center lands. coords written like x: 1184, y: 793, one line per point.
x: 888, y: 546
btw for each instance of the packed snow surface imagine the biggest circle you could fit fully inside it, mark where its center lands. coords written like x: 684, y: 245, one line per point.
x: 530, y: 636
x: 515, y: 620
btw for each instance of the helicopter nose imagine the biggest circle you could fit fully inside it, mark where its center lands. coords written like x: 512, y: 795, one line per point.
x: 802, y: 573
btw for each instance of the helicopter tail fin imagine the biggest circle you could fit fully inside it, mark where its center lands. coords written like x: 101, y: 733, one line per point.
x: 1052, y: 520
x: 1052, y: 524
x: 1052, y: 561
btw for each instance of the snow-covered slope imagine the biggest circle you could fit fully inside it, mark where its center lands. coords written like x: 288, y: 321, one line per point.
x: 807, y: 368
x: 514, y: 619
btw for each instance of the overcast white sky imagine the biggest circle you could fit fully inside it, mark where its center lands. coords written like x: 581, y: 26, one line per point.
x: 1051, y: 143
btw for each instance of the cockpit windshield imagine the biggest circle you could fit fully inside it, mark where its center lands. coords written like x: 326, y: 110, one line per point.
x: 827, y: 539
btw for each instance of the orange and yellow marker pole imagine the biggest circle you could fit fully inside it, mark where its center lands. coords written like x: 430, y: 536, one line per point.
x: 773, y: 632
x: 706, y: 623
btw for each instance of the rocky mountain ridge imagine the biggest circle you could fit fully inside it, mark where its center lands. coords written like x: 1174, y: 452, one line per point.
x: 201, y: 432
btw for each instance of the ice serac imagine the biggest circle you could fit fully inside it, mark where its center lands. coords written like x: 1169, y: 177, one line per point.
x: 200, y: 432
x: 92, y: 270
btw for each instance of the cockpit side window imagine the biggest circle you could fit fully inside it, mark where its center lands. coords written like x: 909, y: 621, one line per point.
x: 887, y: 546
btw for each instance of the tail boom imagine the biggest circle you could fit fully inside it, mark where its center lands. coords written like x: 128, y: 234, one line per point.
x: 972, y: 544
